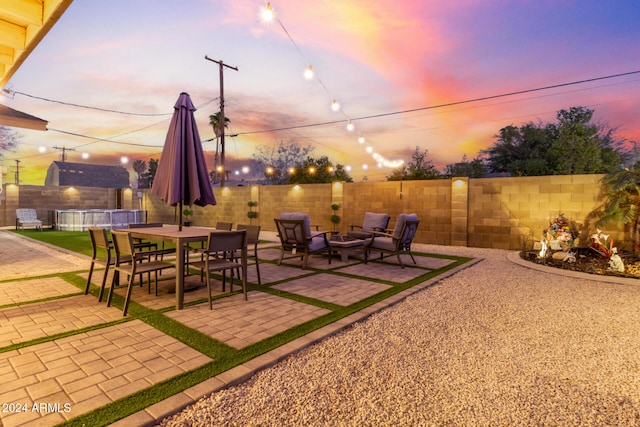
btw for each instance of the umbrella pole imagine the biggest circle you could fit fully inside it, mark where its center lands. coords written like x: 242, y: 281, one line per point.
x: 180, y: 217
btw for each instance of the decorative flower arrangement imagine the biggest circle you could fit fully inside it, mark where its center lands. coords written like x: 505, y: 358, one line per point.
x: 602, y: 244
x: 561, y: 233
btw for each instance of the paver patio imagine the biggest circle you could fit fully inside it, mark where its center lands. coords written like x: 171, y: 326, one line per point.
x: 63, y: 354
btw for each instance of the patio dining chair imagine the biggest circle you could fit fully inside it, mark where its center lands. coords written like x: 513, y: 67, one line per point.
x: 100, y: 245
x: 396, y: 243
x: 372, y: 222
x: 294, y: 231
x: 253, y: 237
x: 227, y: 226
x: 220, y: 255
x: 133, y: 262
x: 145, y: 244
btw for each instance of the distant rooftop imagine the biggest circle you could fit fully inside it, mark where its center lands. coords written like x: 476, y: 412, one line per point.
x: 85, y: 175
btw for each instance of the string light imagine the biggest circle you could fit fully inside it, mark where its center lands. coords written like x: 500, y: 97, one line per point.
x: 308, y: 73
x: 267, y: 13
x: 350, y: 126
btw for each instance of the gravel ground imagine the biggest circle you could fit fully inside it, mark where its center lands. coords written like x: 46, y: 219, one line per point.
x: 496, y: 344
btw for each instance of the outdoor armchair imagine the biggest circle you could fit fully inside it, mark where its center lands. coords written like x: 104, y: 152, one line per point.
x: 27, y: 218
x: 294, y: 231
x: 372, y: 222
x: 396, y: 243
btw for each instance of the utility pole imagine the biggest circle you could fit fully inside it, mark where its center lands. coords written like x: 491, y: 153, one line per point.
x: 222, y: 65
x: 17, y: 174
x: 63, y: 156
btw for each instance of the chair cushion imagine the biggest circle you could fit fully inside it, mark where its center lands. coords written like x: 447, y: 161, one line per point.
x: 317, y: 243
x: 299, y: 215
x: 402, y: 218
x: 385, y: 243
x: 374, y: 221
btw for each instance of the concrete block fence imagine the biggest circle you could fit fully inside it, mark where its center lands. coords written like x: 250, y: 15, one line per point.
x: 485, y: 212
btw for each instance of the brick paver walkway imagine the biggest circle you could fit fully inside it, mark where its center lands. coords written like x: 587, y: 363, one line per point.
x: 63, y: 354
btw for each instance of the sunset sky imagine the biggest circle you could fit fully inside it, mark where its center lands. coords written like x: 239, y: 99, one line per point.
x: 376, y: 59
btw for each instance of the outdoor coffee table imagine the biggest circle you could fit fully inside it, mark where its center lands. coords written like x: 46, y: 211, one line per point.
x: 345, y: 245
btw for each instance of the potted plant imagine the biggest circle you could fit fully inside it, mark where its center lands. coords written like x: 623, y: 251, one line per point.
x: 186, y: 212
x: 335, y: 218
x: 252, y: 214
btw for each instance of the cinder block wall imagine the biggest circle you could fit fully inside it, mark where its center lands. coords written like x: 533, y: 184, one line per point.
x: 486, y: 212
x: 47, y: 199
x: 504, y: 210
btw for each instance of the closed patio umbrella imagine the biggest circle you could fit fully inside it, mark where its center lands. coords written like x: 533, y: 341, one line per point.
x: 182, y: 176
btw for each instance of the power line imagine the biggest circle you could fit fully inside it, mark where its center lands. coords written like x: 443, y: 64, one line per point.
x: 71, y: 104
x: 450, y: 104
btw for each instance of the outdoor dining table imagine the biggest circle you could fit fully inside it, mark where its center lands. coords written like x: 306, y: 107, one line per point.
x: 171, y: 233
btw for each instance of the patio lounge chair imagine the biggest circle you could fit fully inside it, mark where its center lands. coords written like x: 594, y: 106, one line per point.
x: 294, y: 231
x: 27, y: 218
x: 372, y: 222
x: 396, y: 243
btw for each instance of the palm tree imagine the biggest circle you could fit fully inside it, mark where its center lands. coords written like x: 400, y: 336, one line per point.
x: 621, y: 190
x: 214, y: 121
x: 140, y: 167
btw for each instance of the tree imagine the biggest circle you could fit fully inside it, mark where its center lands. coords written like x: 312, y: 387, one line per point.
x: 140, y: 167
x: 277, y: 161
x: 321, y: 170
x: 8, y: 139
x: 420, y: 168
x: 150, y: 174
x: 573, y: 145
x: 621, y: 191
x: 581, y: 146
x: 521, y: 151
x: 215, y: 122
x: 472, y: 168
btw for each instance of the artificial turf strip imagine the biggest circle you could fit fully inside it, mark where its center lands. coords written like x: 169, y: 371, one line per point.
x: 227, y: 360
x: 224, y: 357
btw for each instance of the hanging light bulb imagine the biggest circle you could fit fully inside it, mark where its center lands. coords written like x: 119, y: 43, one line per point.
x: 335, y: 106
x: 369, y: 149
x: 365, y: 166
x: 350, y: 126
x: 85, y: 155
x: 267, y: 13
x: 42, y: 149
x: 361, y: 139
x: 308, y: 73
